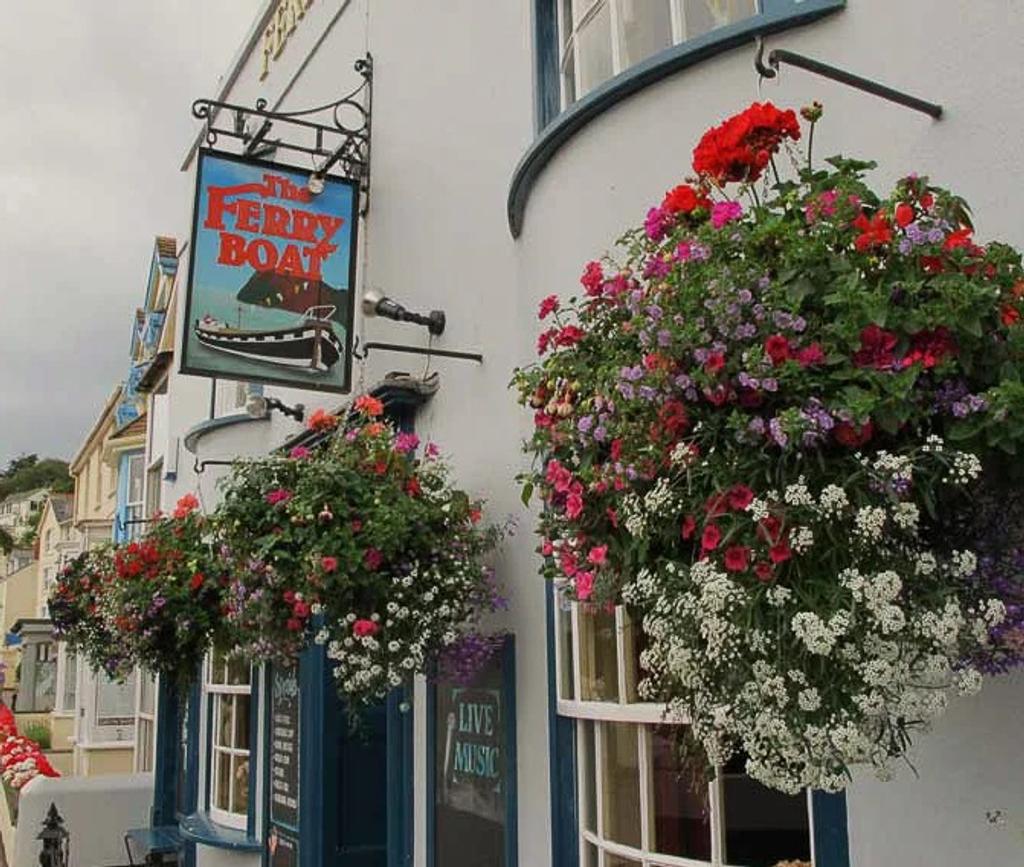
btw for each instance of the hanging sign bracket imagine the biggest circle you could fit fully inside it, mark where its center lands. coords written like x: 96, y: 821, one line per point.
x: 336, y: 135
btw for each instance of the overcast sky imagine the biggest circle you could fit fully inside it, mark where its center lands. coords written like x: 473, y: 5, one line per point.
x: 94, y: 123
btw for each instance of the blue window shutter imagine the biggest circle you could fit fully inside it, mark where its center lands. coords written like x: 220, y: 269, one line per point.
x: 562, y: 761
x: 831, y: 841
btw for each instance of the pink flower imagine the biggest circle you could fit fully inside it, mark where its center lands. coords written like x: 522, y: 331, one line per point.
x: 725, y: 212
x: 710, y: 537
x: 593, y: 277
x: 547, y: 306
x: 573, y: 506
x: 406, y: 442
x: 737, y: 558
x: 279, y: 495
x: 299, y: 453
x: 431, y: 451
x: 361, y: 628
x: 584, y: 583
x: 740, y: 496
x: 546, y: 548
x: 329, y: 564
x: 373, y: 558
x: 598, y: 555
x: 301, y: 609
x: 810, y: 355
x: 187, y: 504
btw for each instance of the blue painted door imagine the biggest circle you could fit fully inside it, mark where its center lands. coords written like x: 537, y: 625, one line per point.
x: 361, y: 813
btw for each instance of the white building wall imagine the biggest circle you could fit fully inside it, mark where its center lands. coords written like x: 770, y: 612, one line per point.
x: 452, y: 115
x: 605, y: 178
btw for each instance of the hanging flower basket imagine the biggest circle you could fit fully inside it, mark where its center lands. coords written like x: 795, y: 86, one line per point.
x: 154, y: 603
x: 361, y: 545
x: 74, y: 606
x: 777, y: 429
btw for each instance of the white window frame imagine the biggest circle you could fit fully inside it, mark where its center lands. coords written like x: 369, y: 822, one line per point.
x: 644, y: 715
x: 59, y: 708
x: 568, y: 31
x: 144, y: 758
x: 213, y: 695
x: 133, y: 509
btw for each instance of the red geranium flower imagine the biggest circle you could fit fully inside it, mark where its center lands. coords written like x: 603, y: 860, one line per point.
x: 547, y: 306
x: 904, y: 215
x: 764, y: 571
x: 716, y: 505
x: 186, y: 505
x: 810, y: 355
x: 741, y: 147
x: 874, y: 232
x: 197, y: 581
x: 770, y: 529
x: 1009, y: 315
x: 681, y: 199
x: 321, y: 420
x: 740, y: 496
x: 593, y: 278
x: 737, y: 558
x: 853, y: 435
x: 714, y: 363
x: 412, y: 487
x: 780, y: 552
x: 777, y: 348
x: 569, y: 336
x: 369, y: 405
x: 363, y: 627
x: 876, y: 348
x: 329, y: 564
x: 373, y: 558
x: 710, y: 537
x: 689, y: 527
x: 930, y: 347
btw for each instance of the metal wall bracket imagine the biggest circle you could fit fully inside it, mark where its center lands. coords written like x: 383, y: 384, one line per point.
x: 778, y: 56
x: 412, y: 350
x: 334, y: 134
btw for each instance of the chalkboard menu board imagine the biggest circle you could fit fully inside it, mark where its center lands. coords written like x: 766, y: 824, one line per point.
x: 473, y: 767
x: 284, y: 746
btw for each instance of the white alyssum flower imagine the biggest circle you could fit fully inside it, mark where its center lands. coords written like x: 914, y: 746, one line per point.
x: 870, y: 522
x: 801, y: 539
x: 906, y: 516
x: 797, y: 494
x: 833, y: 500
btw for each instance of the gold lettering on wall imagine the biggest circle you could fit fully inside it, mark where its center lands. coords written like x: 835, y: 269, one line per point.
x: 282, y: 25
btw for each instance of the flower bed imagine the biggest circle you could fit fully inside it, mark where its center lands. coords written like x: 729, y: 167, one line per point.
x: 769, y: 429
x: 363, y: 546
x: 21, y: 759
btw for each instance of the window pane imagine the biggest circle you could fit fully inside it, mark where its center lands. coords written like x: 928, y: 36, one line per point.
x: 762, y: 826
x: 618, y: 861
x: 565, y: 676
x: 223, y: 714
x: 147, y: 694
x: 240, y: 785
x: 70, y: 677
x: 145, y: 745
x: 599, y: 669
x: 682, y: 821
x: 594, y: 50
x: 241, y: 739
x: 238, y: 671
x: 115, y: 702
x: 702, y: 16
x: 620, y: 779
x: 579, y: 9
x: 222, y: 789
x: 589, y: 855
x: 569, y: 77
x: 135, y: 477
x: 589, y: 775
x: 645, y: 28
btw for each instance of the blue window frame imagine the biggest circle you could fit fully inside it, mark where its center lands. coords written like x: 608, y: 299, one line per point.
x: 555, y: 125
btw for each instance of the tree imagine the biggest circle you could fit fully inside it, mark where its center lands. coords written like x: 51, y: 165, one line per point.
x: 28, y: 472
x: 6, y: 542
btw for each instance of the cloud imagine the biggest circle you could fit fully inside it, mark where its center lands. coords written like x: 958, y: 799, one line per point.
x: 96, y: 103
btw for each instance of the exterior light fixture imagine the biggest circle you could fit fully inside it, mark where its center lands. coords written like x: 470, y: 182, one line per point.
x: 376, y: 304
x: 315, y: 184
x: 258, y: 406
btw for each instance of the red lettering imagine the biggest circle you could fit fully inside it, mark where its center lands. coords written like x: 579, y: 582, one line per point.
x: 247, y: 216
x: 304, y: 226
x: 215, y: 207
x: 291, y: 262
x: 329, y: 224
x: 266, y: 262
x: 276, y: 220
x: 232, y: 249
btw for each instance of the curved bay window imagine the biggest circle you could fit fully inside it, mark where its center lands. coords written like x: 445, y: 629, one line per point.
x: 642, y: 801
x: 601, y: 38
x: 228, y: 685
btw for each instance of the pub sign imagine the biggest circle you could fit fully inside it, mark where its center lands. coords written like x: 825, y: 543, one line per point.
x: 271, y: 273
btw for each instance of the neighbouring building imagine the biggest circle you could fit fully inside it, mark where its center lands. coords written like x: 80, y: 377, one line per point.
x: 511, y: 143
x: 19, y: 512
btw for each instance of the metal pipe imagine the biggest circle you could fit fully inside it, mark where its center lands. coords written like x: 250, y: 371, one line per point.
x: 781, y: 55
x: 419, y: 350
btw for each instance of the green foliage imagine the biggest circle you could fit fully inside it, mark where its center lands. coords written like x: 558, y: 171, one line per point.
x: 28, y: 473
x: 40, y: 733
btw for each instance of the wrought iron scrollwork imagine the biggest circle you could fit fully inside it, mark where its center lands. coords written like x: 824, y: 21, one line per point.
x: 343, y: 142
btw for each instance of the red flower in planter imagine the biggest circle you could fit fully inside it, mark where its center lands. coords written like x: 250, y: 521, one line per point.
x: 361, y: 628
x: 737, y: 558
x: 777, y: 348
x: 876, y: 348
x: 874, y: 232
x: 741, y: 147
